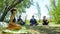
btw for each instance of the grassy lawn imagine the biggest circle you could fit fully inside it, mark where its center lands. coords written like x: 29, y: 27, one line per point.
x: 52, y: 28
x: 45, y: 29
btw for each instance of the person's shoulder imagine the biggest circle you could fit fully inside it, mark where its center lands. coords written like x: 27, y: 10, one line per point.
x: 31, y: 19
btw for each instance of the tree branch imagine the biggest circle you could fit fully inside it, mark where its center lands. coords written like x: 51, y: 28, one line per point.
x: 10, y: 7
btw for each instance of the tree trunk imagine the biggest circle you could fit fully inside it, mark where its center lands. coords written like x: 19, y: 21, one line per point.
x: 8, y: 8
x: 39, y: 13
x: 25, y: 18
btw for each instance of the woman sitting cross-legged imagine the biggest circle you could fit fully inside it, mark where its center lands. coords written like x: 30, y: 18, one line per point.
x: 45, y: 22
x: 12, y: 25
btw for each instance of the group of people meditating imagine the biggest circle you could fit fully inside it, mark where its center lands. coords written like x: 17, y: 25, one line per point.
x: 33, y: 21
x: 13, y: 25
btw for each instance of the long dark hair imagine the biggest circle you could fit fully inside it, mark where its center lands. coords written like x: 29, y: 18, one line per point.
x: 13, y: 10
x: 12, y: 13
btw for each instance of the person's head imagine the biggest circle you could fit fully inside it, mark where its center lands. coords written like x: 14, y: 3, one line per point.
x: 33, y: 16
x: 20, y: 16
x: 44, y: 17
x: 13, y: 11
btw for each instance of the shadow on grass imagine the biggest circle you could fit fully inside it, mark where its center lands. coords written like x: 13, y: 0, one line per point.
x: 45, y: 29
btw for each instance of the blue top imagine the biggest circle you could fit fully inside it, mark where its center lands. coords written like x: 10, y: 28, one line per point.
x: 19, y: 19
x: 33, y: 21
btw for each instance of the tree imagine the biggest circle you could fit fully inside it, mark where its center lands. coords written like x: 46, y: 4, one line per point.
x: 39, y: 13
x: 48, y: 8
x: 9, y: 4
x: 55, y: 10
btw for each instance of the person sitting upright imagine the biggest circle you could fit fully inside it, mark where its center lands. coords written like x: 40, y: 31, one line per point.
x: 45, y: 22
x: 12, y: 25
x: 20, y: 21
x: 33, y: 21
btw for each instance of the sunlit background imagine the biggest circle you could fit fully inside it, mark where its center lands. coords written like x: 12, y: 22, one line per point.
x: 33, y: 9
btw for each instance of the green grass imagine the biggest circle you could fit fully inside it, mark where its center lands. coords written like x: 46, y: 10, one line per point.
x: 45, y: 29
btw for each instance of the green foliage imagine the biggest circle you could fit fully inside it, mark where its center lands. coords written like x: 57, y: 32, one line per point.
x: 1, y: 5
x: 38, y: 9
x: 25, y: 4
x: 20, y: 7
x: 55, y: 12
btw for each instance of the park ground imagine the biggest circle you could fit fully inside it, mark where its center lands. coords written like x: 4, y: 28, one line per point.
x: 49, y: 29
x: 43, y: 29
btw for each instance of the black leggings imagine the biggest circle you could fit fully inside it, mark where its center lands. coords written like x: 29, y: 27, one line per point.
x: 45, y: 23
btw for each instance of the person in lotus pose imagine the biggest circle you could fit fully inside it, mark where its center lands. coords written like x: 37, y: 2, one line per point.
x: 45, y: 22
x: 33, y: 21
x: 20, y: 21
x: 12, y: 25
